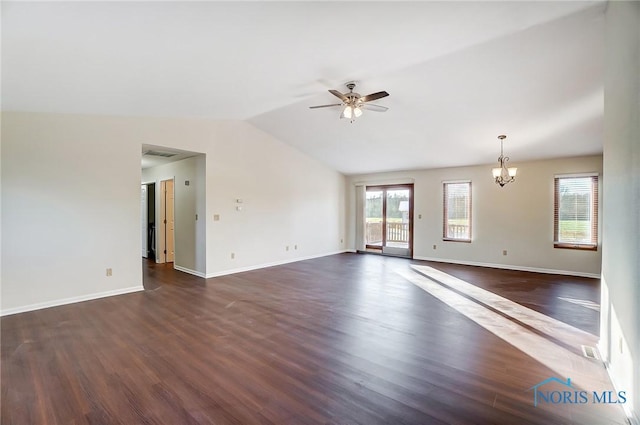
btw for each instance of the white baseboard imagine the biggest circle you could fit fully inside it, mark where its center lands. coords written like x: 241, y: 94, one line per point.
x: 275, y: 263
x: 632, y: 417
x: 88, y: 297
x: 511, y: 267
x: 186, y: 270
x: 64, y: 301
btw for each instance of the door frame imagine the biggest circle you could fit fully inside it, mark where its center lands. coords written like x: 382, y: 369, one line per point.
x: 144, y: 219
x: 155, y: 199
x: 384, y: 188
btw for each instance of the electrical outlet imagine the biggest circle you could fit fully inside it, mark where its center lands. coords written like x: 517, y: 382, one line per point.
x: 233, y: 255
x: 434, y: 246
x: 287, y: 248
x: 419, y: 216
x: 341, y: 241
x: 216, y: 217
x: 109, y: 272
x: 504, y: 252
x: 295, y: 247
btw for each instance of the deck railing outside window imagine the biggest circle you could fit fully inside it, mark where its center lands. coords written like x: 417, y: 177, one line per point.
x: 396, y: 232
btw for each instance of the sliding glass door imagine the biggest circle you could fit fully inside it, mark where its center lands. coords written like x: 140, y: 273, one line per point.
x: 389, y: 219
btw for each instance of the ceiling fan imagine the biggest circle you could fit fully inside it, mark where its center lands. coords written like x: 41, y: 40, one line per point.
x: 353, y: 103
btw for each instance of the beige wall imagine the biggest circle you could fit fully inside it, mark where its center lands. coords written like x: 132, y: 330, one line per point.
x: 71, y: 202
x: 287, y: 198
x: 517, y: 218
x: 68, y: 211
x: 620, y: 313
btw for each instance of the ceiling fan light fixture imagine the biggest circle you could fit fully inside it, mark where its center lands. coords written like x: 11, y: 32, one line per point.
x: 351, y: 112
x: 353, y: 104
x: 348, y: 112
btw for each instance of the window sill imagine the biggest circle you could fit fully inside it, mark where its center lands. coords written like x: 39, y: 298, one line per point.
x: 456, y: 240
x: 575, y: 246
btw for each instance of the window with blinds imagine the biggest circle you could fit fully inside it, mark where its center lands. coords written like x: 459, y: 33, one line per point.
x: 457, y: 211
x: 575, y: 212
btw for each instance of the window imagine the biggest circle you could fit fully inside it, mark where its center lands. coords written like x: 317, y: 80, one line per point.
x: 457, y: 211
x: 575, y: 212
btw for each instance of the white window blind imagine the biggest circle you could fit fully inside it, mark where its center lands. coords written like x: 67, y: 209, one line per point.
x: 575, y: 213
x: 457, y: 211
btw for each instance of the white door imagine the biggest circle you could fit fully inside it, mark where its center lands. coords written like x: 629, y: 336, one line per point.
x: 166, y: 223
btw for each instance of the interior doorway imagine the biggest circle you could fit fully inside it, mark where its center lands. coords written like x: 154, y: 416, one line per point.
x: 167, y: 222
x: 389, y: 220
x: 148, y: 219
x: 177, y: 181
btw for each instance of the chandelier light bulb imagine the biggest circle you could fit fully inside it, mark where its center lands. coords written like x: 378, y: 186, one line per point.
x: 348, y: 112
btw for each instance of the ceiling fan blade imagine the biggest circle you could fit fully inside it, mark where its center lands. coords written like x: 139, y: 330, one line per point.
x: 374, y: 96
x: 336, y: 93
x: 372, y: 107
x: 325, y: 106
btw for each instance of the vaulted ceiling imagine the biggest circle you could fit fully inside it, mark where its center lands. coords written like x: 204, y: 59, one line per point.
x: 458, y: 73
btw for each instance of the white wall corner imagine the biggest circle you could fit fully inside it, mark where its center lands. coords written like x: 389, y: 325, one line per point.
x: 190, y: 271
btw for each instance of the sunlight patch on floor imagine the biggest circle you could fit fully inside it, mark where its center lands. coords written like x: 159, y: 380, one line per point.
x: 551, y: 342
x: 584, y: 303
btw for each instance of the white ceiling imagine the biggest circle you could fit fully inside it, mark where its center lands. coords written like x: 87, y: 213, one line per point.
x: 458, y: 73
x: 154, y: 156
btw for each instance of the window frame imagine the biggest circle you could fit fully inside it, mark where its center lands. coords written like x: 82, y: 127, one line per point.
x: 595, y: 182
x: 445, y: 210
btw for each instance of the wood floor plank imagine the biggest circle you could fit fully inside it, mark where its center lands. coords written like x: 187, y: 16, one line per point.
x: 343, y: 340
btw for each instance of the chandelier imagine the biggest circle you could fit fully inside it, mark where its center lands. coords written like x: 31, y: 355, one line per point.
x: 502, y: 174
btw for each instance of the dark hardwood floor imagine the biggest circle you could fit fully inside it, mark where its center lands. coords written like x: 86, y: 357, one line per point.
x: 347, y: 339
